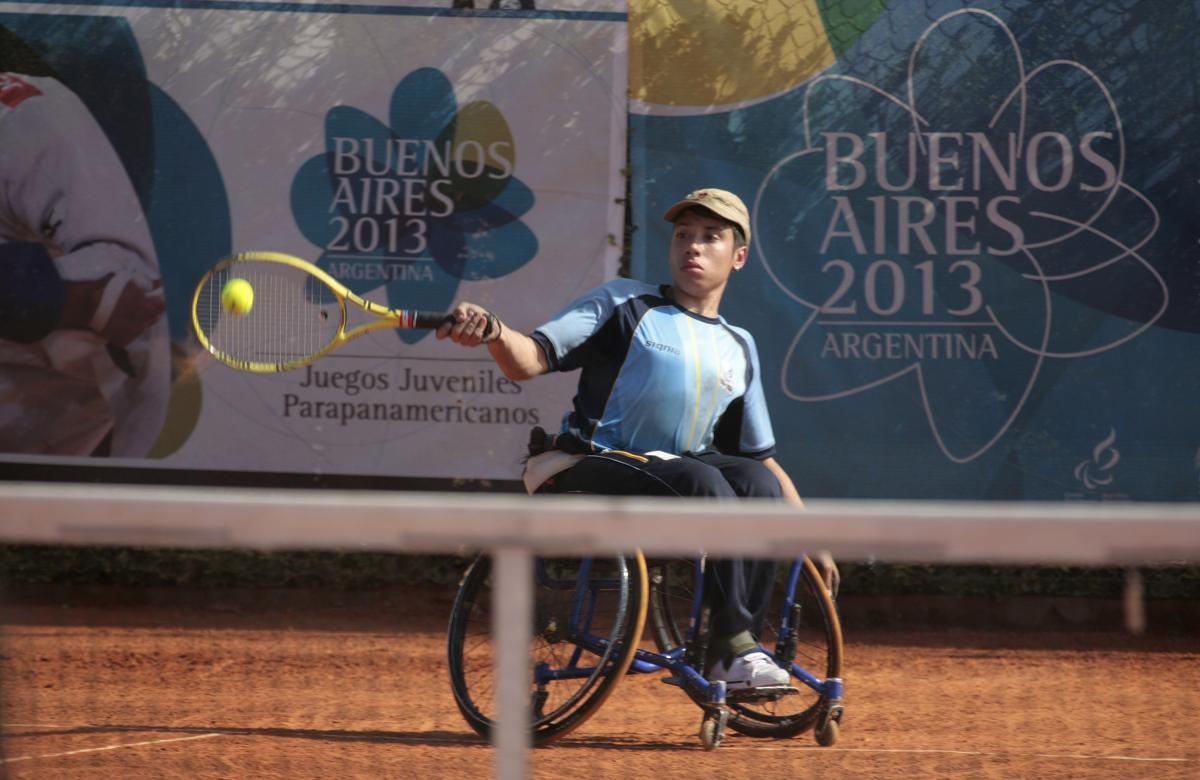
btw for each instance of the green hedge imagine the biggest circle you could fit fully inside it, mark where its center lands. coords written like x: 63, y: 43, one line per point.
x: 1159, y: 582
x: 155, y: 567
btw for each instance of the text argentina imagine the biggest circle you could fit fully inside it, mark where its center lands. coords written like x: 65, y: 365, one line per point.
x: 884, y: 345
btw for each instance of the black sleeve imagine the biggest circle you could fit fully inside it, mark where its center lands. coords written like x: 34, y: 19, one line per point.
x: 727, y: 436
x: 603, y: 347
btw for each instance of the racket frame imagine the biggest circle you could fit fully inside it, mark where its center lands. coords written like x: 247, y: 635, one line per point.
x: 387, y: 318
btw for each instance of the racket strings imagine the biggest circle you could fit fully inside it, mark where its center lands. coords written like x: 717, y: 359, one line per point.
x: 293, y: 317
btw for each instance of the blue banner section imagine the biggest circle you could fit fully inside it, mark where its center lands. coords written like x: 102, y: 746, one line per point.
x: 974, y: 272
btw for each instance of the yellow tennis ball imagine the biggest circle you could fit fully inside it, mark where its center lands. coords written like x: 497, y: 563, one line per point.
x: 237, y: 296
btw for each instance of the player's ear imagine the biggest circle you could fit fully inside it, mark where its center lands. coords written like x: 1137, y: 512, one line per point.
x: 739, y: 257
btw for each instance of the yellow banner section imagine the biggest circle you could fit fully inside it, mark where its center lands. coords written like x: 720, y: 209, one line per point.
x: 718, y: 52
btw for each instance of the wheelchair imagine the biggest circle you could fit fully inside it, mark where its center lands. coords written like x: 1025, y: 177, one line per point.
x: 589, y: 616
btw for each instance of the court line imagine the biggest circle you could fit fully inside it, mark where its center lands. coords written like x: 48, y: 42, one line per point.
x: 724, y: 747
x: 984, y: 753
x: 109, y: 747
x: 466, y: 739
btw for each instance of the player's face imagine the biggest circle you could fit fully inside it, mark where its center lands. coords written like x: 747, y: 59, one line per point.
x: 703, y: 255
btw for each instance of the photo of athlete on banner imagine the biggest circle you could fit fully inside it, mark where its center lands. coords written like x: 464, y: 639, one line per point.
x: 84, y: 362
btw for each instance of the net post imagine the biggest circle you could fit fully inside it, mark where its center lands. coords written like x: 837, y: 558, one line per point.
x: 1134, y: 602
x: 513, y: 569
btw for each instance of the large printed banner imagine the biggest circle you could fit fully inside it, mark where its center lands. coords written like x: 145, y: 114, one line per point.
x: 420, y: 153
x: 975, y: 271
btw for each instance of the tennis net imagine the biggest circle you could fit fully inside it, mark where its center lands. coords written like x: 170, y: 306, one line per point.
x: 516, y: 528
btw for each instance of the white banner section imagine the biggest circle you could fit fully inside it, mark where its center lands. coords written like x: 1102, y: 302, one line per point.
x: 422, y: 156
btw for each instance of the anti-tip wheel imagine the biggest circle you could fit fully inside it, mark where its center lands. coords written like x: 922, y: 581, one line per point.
x: 712, y: 729
x: 827, y: 735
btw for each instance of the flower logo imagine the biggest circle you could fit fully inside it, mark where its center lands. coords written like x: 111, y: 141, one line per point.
x: 419, y: 204
x: 960, y: 231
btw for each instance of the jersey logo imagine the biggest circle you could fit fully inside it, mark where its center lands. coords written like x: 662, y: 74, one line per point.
x: 650, y: 344
x: 13, y: 91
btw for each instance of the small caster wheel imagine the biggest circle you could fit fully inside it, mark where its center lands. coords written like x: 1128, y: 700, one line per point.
x: 712, y: 729
x: 827, y: 734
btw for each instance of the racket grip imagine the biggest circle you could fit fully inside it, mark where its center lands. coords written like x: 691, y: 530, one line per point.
x: 435, y: 319
x: 431, y: 319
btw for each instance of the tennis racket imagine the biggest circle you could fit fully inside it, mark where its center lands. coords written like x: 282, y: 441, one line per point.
x: 299, y: 313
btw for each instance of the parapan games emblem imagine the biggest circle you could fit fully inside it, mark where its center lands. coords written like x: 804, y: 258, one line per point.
x: 957, y: 234
x: 1097, y: 471
x: 419, y: 202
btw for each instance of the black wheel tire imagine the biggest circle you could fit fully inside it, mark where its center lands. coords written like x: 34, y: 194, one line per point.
x: 562, y: 705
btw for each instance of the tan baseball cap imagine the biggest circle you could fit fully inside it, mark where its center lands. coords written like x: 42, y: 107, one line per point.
x: 720, y: 202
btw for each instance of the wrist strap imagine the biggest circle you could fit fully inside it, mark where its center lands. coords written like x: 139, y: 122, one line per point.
x: 494, y: 329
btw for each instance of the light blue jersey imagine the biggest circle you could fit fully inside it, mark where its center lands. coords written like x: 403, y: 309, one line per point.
x: 656, y: 377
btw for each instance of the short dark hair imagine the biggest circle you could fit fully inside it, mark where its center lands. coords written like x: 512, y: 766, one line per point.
x: 739, y: 237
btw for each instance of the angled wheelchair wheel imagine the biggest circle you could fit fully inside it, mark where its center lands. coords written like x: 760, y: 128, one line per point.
x: 813, y: 639
x: 587, y: 621
x: 810, y: 636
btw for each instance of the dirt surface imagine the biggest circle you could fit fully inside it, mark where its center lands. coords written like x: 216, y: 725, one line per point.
x: 227, y: 684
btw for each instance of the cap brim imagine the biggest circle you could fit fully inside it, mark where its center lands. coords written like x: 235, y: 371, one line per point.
x: 673, y: 212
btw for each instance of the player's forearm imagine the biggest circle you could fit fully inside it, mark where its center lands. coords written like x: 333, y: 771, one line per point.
x: 790, y: 494
x: 516, y: 354
x: 822, y: 558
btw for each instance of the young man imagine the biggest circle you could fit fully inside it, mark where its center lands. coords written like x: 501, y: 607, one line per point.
x: 670, y: 402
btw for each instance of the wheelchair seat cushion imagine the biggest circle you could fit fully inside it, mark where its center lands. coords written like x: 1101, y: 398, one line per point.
x: 541, y: 468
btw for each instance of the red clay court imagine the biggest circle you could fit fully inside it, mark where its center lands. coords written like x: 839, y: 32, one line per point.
x: 295, y: 684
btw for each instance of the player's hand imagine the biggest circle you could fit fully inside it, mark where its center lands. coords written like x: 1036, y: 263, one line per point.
x: 472, y: 324
x: 829, y: 571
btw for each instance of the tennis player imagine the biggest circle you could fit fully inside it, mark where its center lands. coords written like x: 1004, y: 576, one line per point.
x: 669, y: 402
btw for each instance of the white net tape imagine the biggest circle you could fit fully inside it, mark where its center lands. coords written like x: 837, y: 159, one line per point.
x: 280, y: 519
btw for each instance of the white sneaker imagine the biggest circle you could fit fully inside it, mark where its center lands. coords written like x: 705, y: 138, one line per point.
x: 754, y: 669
